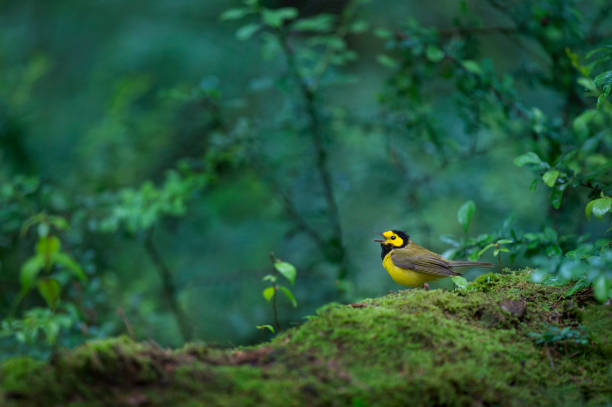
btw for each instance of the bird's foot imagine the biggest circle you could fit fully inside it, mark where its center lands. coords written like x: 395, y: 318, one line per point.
x: 426, y: 286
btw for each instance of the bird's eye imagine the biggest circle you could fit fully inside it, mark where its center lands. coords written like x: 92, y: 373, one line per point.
x: 393, y: 237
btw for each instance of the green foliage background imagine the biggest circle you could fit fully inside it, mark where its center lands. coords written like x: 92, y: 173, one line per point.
x: 183, y: 142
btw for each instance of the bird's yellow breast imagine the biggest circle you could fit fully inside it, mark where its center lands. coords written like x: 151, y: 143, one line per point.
x: 407, y: 277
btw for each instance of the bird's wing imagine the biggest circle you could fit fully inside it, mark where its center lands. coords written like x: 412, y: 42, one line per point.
x: 419, y: 259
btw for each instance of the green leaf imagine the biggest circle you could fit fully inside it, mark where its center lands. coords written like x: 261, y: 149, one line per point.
x: 276, y: 17
x: 603, y: 79
x: 550, y: 177
x: 59, y: 222
x: 472, y: 66
x: 451, y: 240
x: 270, y: 278
x: 50, y: 290
x: 234, y: 14
x: 287, y: 270
x: 460, y: 282
x: 606, y: 50
x: 268, y: 293
x: 48, y: 245
x: 359, y: 26
x: 556, y: 196
x: 434, y: 54
x: 246, y: 31
x: 601, y: 288
x: 553, y: 250
x: 318, y: 23
x: 527, y: 158
x: 588, y: 84
x: 484, y: 249
x: 600, y: 100
x: 580, y: 284
x: 589, y: 209
x: 580, y: 124
x: 64, y: 260
x: 266, y: 326
x: 464, y: 214
x: 474, y: 256
x: 495, y: 252
x: 30, y: 222
x: 538, y: 276
x: 289, y: 295
x: 504, y: 241
x: 29, y: 272
x: 383, y: 33
x: 387, y: 61
x: 601, y: 206
x: 43, y: 229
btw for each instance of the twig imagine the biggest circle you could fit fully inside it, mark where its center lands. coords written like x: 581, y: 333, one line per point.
x: 341, y: 32
x: 168, y: 285
x: 292, y: 211
x: 128, y: 327
x: 550, y: 359
x: 290, y: 207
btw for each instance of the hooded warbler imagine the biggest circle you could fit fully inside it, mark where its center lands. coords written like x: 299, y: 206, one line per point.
x: 410, y: 264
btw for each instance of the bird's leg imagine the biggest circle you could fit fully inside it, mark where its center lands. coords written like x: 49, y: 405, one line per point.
x: 426, y: 286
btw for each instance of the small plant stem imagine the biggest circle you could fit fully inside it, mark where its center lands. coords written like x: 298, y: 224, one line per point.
x: 274, y: 308
x: 168, y: 286
x: 499, y: 259
x: 128, y: 327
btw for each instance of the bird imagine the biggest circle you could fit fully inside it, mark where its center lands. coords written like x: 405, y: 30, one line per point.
x: 411, y: 265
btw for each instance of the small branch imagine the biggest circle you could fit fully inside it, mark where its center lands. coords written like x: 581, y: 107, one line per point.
x: 321, y: 154
x: 299, y: 220
x: 301, y: 223
x: 168, y: 286
x: 550, y: 359
x: 128, y: 327
x: 291, y: 209
x: 341, y: 32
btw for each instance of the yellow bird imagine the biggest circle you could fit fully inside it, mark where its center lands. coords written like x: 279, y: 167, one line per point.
x: 410, y: 264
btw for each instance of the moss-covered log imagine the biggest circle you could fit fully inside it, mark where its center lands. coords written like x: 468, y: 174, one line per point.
x: 413, y: 347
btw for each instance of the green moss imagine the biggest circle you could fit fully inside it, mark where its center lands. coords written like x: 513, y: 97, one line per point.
x: 15, y: 374
x: 412, y: 347
x: 598, y: 321
x: 105, y: 356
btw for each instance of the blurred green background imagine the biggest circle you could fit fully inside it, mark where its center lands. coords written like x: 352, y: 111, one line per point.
x: 100, y: 96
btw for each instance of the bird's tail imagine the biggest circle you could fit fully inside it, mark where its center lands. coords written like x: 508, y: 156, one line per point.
x: 464, y: 263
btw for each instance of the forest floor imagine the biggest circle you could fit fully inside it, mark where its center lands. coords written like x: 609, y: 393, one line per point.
x: 471, y: 347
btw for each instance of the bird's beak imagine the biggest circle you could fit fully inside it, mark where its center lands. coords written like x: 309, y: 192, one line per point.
x: 380, y: 241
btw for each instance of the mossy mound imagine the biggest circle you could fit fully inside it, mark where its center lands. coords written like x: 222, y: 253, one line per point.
x: 413, y: 347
